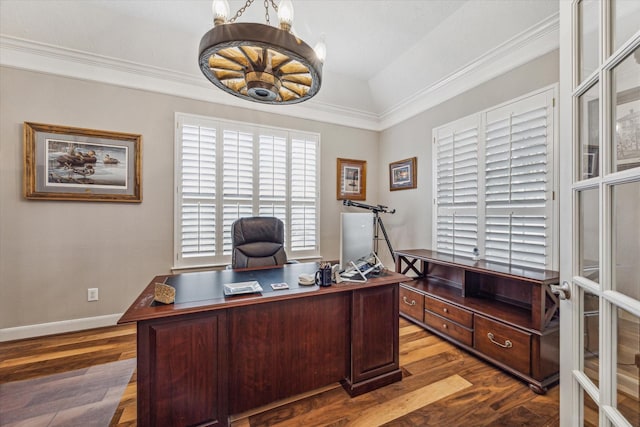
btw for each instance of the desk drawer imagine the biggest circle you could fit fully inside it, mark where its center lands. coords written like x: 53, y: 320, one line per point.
x: 449, y: 311
x: 503, y: 343
x: 449, y: 328
x: 412, y: 303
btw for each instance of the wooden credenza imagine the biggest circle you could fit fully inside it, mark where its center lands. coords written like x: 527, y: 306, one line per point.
x: 504, y: 314
x: 208, y: 356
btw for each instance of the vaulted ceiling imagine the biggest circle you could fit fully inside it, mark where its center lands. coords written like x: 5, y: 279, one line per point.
x: 386, y: 60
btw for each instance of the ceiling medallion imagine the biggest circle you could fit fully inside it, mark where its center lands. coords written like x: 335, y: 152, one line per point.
x: 259, y: 62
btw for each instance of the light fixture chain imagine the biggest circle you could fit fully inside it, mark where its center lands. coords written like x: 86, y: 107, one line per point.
x: 241, y: 11
x: 266, y: 11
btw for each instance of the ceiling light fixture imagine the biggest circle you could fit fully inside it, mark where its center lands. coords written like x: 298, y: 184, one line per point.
x: 259, y: 62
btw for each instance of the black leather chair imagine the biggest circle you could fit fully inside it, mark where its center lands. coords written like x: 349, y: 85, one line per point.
x: 257, y: 242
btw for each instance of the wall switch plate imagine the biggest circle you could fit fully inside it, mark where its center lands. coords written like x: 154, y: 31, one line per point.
x: 92, y: 294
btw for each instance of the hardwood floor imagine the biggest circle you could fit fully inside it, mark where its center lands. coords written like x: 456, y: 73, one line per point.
x: 442, y: 385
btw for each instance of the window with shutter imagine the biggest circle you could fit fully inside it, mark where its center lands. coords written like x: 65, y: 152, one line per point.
x: 456, y: 225
x: 227, y: 170
x: 517, y: 182
x: 273, y: 177
x: 237, y: 184
x: 197, y: 220
x: 304, y: 194
x: 505, y: 207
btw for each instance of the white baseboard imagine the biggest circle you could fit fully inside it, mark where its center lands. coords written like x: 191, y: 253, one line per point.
x: 30, y: 331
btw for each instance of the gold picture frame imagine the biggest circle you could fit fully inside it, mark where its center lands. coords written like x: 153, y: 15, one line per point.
x: 403, y: 174
x: 351, y: 179
x: 68, y: 163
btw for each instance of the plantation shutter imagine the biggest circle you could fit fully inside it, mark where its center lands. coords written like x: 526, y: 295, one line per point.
x: 457, y: 188
x: 505, y: 206
x: 517, y: 178
x: 272, y: 181
x: 304, y: 194
x: 237, y: 180
x: 457, y: 234
x: 226, y: 170
x: 197, y: 191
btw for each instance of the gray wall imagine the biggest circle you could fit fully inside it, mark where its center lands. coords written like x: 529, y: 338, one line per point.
x: 410, y: 226
x: 51, y: 252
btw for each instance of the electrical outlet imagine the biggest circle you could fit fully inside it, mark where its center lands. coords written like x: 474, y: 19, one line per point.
x: 92, y: 294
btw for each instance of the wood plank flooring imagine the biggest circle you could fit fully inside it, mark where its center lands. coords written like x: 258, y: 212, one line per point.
x: 442, y: 385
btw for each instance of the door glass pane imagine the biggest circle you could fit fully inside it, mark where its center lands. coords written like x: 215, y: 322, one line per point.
x: 589, y: 241
x: 625, y: 16
x: 625, y: 112
x: 627, y: 366
x: 590, y: 328
x: 588, y: 18
x: 589, y: 132
x: 626, y: 238
x: 591, y: 412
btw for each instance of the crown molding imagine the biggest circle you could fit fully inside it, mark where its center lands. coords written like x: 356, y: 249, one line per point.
x: 40, y: 57
x: 532, y: 43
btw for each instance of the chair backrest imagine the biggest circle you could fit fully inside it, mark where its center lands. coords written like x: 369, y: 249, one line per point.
x: 257, y: 242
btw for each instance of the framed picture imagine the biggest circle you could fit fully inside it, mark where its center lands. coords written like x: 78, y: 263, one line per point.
x: 352, y: 179
x: 66, y: 163
x: 592, y: 162
x: 403, y: 174
x: 627, y: 129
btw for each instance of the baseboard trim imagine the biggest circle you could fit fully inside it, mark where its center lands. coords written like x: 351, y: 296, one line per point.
x: 40, y: 329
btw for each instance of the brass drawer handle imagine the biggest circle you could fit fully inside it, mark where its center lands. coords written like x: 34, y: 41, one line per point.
x: 445, y: 310
x: 406, y: 301
x: 507, y: 343
x: 444, y: 325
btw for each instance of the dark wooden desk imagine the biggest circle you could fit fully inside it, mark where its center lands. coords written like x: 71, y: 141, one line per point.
x: 208, y: 356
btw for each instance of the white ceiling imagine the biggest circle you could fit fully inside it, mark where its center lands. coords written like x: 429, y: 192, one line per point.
x: 382, y: 55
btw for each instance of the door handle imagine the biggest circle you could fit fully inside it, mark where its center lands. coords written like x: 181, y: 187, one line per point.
x: 563, y: 291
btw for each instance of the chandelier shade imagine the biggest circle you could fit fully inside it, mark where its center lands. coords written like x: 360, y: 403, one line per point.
x: 260, y: 63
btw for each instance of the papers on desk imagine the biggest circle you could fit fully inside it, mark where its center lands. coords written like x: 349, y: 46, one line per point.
x: 239, y: 288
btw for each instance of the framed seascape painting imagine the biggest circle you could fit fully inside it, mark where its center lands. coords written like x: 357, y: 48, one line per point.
x: 66, y: 163
x: 351, y: 179
x: 403, y: 174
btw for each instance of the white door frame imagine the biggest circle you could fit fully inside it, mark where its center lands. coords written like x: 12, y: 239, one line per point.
x: 572, y: 378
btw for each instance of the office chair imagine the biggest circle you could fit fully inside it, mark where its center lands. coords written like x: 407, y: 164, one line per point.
x: 257, y: 242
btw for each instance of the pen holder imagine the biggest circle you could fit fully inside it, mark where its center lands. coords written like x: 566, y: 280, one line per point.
x: 323, y: 277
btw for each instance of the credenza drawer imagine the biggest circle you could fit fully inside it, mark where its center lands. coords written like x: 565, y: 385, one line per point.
x: 449, y: 328
x: 503, y: 343
x: 412, y: 303
x: 449, y: 311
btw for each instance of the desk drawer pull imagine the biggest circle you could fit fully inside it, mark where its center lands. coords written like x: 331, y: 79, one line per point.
x: 445, y: 310
x: 404, y: 299
x: 507, y: 343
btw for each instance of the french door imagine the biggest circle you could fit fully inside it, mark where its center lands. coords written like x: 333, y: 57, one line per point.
x: 600, y: 212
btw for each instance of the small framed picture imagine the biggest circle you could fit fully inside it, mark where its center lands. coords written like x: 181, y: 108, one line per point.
x: 403, y: 174
x: 351, y: 179
x: 66, y: 163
